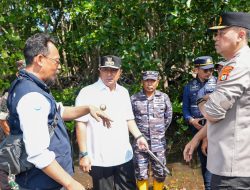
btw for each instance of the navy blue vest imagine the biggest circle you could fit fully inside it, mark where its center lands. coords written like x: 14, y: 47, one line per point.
x: 59, y: 143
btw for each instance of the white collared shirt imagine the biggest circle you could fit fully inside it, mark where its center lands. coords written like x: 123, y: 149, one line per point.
x: 33, y: 110
x: 107, y: 146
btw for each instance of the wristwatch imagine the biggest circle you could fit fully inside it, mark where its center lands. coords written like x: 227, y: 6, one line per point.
x: 82, y: 154
x: 140, y: 136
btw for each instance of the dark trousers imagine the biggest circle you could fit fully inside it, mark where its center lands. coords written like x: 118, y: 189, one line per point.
x: 203, y: 160
x: 230, y: 183
x: 205, y: 173
x: 121, y: 177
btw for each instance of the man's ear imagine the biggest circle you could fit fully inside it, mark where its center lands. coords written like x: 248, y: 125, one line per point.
x: 39, y: 60
x: 157, y: 84
x: 195, y: 70
x: 242, y: 33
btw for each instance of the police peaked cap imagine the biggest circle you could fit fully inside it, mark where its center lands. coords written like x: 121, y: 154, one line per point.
x: 204, y: 62
x: 227, y: 19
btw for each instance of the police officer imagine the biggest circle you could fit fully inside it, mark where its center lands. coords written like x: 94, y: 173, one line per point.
x: 204, y: 80
x: 227, y: 108
x: 153, y: 115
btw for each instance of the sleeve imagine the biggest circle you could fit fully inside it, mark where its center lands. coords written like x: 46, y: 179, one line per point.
x: 201, y: 93
x: 186, y: 104
x: 206, y: 89
x: 132, y: 103
x: 81, y: 100
x: 129, y: 110
x: 230, y: 87
x: 33, y: 110
x: 169, y: 112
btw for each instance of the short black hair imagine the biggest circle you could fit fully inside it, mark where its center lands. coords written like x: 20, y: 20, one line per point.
x: 37, y: 44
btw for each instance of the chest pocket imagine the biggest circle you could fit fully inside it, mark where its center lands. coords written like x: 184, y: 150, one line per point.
x: 159, y: 110
x: 141, y: 108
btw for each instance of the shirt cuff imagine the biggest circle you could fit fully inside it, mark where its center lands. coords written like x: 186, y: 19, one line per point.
x: 43, y: 160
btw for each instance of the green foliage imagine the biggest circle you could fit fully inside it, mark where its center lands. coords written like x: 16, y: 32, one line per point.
x: 67, y: 97
x: 177, y: 109
x: 154, y: 34
x: 178, y: 133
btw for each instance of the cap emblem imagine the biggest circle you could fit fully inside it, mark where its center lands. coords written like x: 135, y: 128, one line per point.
x: 109, y: 62
x: 220, y: 21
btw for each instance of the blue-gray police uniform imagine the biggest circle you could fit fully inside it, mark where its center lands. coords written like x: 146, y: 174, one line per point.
x: 192, y: 91
x: 153, y: 116
x: 59, y: 143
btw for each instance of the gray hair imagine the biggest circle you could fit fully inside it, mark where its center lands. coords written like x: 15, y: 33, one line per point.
x: 37, y: 44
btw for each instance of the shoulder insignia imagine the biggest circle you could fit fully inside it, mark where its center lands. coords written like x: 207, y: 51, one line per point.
x: 225, y: 72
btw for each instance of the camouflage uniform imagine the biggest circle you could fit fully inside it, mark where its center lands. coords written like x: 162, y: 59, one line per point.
x: 153, y: 116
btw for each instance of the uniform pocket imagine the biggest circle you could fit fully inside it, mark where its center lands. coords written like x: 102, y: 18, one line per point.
x: 159, y: 110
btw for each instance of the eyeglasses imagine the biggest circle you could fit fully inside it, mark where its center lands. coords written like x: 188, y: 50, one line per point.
x: 57, y: 61
x: 208, y: 70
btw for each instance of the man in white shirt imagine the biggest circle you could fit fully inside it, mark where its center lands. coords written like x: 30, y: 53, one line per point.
x: 106, y: 153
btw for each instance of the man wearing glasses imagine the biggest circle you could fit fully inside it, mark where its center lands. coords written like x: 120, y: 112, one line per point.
x: 204, y: 69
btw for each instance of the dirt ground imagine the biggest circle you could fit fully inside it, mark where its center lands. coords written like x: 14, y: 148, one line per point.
x: 184, y: 177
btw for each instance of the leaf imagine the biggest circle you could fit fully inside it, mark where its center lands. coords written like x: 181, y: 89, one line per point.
x: 4, y: 54
x: 188, y: 3
x: 2, y: 19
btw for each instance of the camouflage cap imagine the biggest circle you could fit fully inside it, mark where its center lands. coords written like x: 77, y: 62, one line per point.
x: 154, y: 75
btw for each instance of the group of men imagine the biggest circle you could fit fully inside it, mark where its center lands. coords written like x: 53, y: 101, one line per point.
x: 106, y: 153
x: 104, y: 147
x: 226, y: 108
